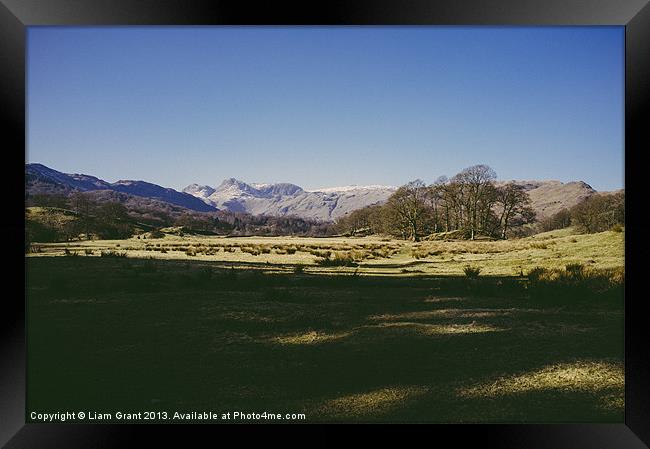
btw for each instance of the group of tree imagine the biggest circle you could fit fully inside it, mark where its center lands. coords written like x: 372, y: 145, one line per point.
x: 65, y: 218
x: 597, y: 213
x: 470, y: 202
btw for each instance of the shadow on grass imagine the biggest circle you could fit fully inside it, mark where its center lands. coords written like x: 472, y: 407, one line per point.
x: 172, y: 335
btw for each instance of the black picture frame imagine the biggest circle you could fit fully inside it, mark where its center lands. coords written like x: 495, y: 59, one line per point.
x: 16, y: 15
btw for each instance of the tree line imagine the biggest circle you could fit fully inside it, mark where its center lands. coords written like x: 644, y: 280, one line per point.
x: 470, y: 204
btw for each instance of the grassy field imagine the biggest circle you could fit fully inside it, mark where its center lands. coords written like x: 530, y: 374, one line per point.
x: 232, y: 331
x: 369, y: 255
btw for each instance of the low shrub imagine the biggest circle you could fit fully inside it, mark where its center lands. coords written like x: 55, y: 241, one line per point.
x: 111, y: 253
x: 319, y: 253
x: 472, y: 272
x: 575, y: 270
x: 339, y: 260
x: 575, y: 283
x: 537, y: 274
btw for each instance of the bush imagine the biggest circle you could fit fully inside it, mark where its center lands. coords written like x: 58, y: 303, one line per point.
x: 472, y: 272
x: 617, y: 228
x: 575, y: 283
x: 575, y: 270
x: 323, y: 254
x: 339, y: 260
x: 69, y: 253
x: 111, y: 253
x: 89, y: 252
x: 537, y: 274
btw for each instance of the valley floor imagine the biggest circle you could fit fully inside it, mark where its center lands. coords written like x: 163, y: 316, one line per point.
x: 372, y: 255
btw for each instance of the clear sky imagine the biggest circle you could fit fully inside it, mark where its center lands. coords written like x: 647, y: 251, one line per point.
x: 327, y: 106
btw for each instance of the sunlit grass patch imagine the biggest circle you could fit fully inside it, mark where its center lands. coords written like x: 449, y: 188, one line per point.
x: 310, y: 338
x: 436, y: 329
x: 583, y: 376
x: 372, y: 403
x: 442, y: 313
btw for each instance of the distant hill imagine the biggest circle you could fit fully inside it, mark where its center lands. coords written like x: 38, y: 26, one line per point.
x: 549, y: 197
x: 40, y: 179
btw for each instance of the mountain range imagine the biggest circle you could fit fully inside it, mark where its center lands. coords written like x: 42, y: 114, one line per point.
x: 281, y: 199
x: 289, y: 199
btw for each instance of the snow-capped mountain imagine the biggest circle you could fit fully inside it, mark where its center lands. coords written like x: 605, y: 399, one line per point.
x: 289, y: 199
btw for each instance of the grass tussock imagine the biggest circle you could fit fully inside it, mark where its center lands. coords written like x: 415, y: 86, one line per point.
x: 310, y: 338
x: 576, y: 281
x: 472, y: 271
x: 114, y: 254
x: 340, y: 259
x: 69, y: 253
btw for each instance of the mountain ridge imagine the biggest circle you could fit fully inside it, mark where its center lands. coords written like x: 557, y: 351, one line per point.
x: 42, y: 179
x: 282, y: 199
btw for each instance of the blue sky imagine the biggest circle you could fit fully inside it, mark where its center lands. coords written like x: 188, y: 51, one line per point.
x: 327, y: 106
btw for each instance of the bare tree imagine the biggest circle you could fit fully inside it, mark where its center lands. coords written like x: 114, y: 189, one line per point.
x: 478, y: 181
x: 513, y: 202
x: 435, y: 196
x: 409, y: 209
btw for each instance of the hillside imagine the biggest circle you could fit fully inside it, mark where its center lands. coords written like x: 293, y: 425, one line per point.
x: 40, y: 179
x: 549, y: 197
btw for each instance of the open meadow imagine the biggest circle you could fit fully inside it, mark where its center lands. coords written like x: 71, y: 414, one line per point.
x: 340, y: 329
x: 371, y: 255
